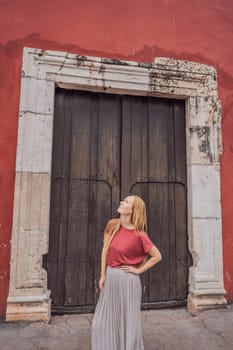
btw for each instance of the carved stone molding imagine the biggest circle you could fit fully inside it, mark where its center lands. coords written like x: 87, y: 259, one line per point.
x: 195, y: 83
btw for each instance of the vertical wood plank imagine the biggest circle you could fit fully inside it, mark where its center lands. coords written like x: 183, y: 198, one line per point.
x: 181, y: 244
x: 180, y: 141
x: 126, y: 154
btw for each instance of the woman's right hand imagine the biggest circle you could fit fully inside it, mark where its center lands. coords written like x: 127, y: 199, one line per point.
x: 101, y: 282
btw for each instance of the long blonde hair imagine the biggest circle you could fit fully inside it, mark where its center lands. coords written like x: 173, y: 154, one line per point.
x: 138, y: 219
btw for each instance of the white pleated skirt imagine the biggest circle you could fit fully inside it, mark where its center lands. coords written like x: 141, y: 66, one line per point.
x: 116, y: 323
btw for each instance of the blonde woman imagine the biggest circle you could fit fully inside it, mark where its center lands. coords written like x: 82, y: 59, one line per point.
x: 117, y: 321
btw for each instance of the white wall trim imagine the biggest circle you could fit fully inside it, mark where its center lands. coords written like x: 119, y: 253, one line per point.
x: 196, y: 83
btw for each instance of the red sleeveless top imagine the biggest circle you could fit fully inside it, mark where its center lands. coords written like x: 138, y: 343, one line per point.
x: 128, y: 247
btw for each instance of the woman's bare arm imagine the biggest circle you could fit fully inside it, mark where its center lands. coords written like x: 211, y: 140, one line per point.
x: 104, y: 260
x: 153, y: 260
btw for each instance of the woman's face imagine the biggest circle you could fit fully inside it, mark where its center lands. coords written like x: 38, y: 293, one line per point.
x: 126, y: 206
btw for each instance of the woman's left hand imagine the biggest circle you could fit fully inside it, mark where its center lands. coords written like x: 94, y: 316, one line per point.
x: 132, y: 269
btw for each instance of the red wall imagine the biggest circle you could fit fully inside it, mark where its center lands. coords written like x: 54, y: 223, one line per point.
x: 198, y: 30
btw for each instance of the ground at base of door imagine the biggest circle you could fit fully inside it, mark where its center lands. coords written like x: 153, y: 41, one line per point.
x: 164, y: 329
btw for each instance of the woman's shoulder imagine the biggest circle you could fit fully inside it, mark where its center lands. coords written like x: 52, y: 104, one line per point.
x: 111, y: 224
x: 142, y: 233
x: 143, y: 236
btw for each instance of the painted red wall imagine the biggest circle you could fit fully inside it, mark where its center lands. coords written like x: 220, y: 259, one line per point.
x: 197, y: 30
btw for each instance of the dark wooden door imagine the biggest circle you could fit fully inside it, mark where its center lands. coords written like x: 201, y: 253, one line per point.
x: 104, y: 147
x: 154, y: 167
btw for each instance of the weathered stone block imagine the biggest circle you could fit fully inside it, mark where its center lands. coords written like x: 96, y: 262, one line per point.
x: 206, y: 201
x: 34, y: 151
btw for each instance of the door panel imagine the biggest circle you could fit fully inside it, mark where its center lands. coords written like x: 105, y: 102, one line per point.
x: 154, y: 167
x: 85, y: 192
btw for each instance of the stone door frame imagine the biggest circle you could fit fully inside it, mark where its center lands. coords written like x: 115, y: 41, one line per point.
x: 42, y: 71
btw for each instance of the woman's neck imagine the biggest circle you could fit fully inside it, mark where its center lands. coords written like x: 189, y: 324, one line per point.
x: 126, y: 221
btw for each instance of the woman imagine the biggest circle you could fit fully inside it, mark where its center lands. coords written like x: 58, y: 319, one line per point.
x: 117, y: 321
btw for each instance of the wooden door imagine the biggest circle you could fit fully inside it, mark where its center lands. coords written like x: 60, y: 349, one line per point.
x: 104, y: 147
x: 153, y: 134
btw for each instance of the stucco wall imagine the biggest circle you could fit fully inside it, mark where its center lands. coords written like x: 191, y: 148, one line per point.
x: 200, y: 31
